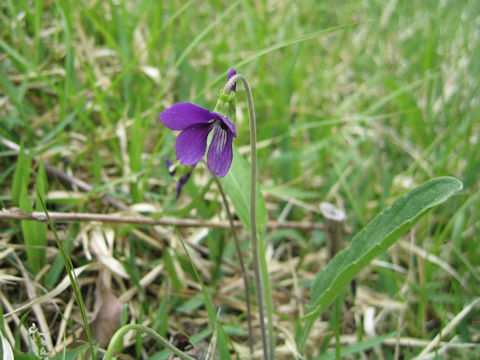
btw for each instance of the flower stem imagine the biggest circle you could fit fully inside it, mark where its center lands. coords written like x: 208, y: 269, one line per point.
x: 242, y: 264
x: 261, y: 273
x: 120, y: 332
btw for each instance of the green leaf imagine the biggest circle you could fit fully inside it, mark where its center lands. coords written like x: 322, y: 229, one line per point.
x: 373, y: 240
x: 35, y: 244
x: 377, y: 237
x: 71, y: 354
x: 40, y: 227
x: 41, y: 184
x: 34, y: 233
x: 237, y: 186
x: 19, y: 176
x: 357, y: 347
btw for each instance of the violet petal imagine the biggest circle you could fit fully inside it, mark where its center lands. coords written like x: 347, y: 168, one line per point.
x: 220, y: 153
x: 182, y: 181
x: 182, y: 115
x: 230, y: 73
x: 192, y: 143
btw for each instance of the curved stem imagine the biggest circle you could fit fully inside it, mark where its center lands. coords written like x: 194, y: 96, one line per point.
x: 243, y: 268
x: 120, y: 332
x: 267, y: 342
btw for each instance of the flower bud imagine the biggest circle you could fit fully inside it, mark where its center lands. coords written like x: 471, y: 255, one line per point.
x: 226, y: 101
x: 230, y: 73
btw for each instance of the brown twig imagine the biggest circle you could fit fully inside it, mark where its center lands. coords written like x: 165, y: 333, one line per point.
x: 16, y: 214
x: 59, y: 217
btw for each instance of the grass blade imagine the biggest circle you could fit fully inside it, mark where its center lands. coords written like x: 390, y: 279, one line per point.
x: 19, y: 176
x: 6, y: 348
x: 280, y: 45
x: 356, y: 348
x: 33, y: 233
x: 71, y: 274
x: 221, y: 337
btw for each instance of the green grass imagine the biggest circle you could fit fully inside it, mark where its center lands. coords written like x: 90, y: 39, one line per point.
x: 350, y: 114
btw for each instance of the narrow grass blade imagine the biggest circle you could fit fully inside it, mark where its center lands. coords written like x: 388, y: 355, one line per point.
x: 202, y: 34
x: 19, y: 176
x: 213, y: 342
x: 33, y: 235
x: 222, y: 341
x: 280, y: 45
x: 356, y: 348
x: 40, y: 227
x: 193, y: 44
x: 14, y: 54
x: 6, y: 348
x: 53, y: 293
x: 152, y: 42
x: 170, y: 268
x: 71, y: 274
x: 58, y: 129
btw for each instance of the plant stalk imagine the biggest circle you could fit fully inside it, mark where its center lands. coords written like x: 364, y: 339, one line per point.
x: 243, y: 268
x: 261, y: 277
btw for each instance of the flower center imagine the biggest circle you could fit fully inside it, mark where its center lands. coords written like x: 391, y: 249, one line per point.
x: 221, y: 139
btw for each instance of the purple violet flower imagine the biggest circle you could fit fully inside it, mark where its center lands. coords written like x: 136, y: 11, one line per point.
x: 182, y: 179
x: 196, y: 123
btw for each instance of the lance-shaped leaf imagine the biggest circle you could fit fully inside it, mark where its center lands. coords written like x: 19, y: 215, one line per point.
x: 378, y: 236
x: 373, y: 240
